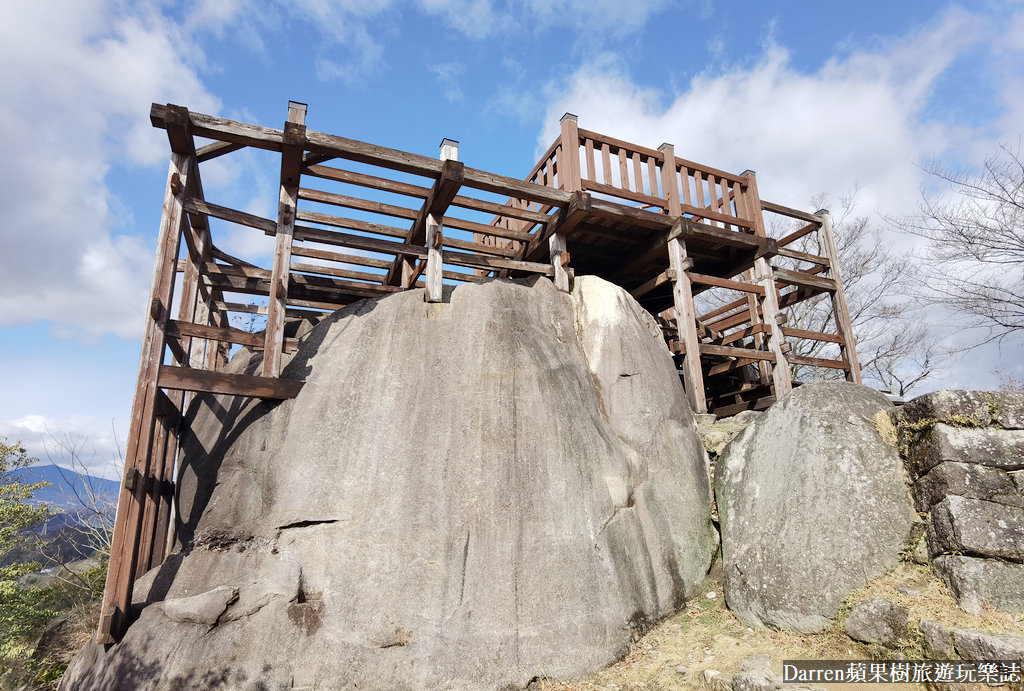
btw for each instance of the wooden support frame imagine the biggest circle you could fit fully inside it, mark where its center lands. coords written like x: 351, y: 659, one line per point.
x: 702, y: 217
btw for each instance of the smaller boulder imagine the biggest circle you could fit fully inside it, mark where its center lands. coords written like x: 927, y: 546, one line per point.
x: 876, y: 620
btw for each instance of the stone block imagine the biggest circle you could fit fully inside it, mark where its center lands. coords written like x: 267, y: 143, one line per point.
x: 938, y: 640
x: 965, y: 480
x: 976, y: 527
x: 975, y: 582
x: 948, y: 405
x: 978, y: 645
x: 990, y: 446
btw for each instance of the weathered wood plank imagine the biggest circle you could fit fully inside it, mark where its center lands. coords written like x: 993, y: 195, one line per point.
x: 186, y: 379
x: 817, y: 362
x: 804, y: 256
x: 368, y: 181
x: 725, y: 283
x: 198, y: 206
x: 803, y: 280
x: 227, y: 334
x: 797, y: 234
x: 787, y: 211
x: 728, y: 351
x: 812, y: 335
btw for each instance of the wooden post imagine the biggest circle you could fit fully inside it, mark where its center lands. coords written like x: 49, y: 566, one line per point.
x: 763, y: 274
x: 569, y: 176
x: 559, y: 254
x: 291, y: 164
x: 848, y: 349
x: 686, y: 323
x: 124, y: 552
x: 434, y: 271
x: 682, y: 290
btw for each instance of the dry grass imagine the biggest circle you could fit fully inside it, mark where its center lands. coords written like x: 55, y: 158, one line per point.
x: 707, y: 636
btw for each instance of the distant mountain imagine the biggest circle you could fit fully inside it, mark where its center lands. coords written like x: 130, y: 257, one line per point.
x: 68, y: 489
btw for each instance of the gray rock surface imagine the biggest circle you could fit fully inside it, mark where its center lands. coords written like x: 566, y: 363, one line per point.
x: 812, y: 503
x: 975, y: 582
x: 989, y: 446
x: 964, y: 406
x: 464, y: 495
x: 1008, y: 409
x: 976, y: 527
x: 965, y: 480
x: 876, y: 620
x: 938, y: 640
x: 978, y: 645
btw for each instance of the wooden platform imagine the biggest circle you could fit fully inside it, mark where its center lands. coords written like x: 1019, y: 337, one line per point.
x: 358, y: 220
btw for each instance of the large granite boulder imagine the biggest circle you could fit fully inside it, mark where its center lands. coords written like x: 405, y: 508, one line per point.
x: 813, y: 504
x: 464, y: 495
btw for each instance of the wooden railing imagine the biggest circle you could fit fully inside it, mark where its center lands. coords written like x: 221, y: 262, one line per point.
x: 641, y: 177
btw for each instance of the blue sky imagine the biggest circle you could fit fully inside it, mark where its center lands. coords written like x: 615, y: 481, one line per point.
x: 816, y: 97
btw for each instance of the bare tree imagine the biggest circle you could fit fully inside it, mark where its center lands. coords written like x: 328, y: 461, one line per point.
x: 975, y: 249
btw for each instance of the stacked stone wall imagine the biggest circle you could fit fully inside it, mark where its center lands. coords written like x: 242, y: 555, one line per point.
x: 964, y: 453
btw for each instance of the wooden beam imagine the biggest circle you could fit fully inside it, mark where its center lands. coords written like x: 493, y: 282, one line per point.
x: 186, y: 379
x: 227, y: 334
x: 569, y: 178
x: 660, y: 279
x: 124, y: 554
x: 743, y: 353
x: 803, y: 280
x: 211, y: 151
x: 291, y: 166
x: 812, y: 335
x: 787, y: 211
x: 804, y: 256
x: 817, y: 362
x: 482, y: 261
x: 369, y: 181
x: 741, y: 286
x: 163, y: 116
x: 403, y: 271
x: 198, y: 206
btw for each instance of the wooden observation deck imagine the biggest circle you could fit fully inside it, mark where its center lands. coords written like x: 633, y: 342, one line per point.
x: 356, y: 221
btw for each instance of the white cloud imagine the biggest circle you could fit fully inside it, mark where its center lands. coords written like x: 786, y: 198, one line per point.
x: 448, y: 74
x: 78, y: 442
x: 859, y: 119
x: 78, y: 79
